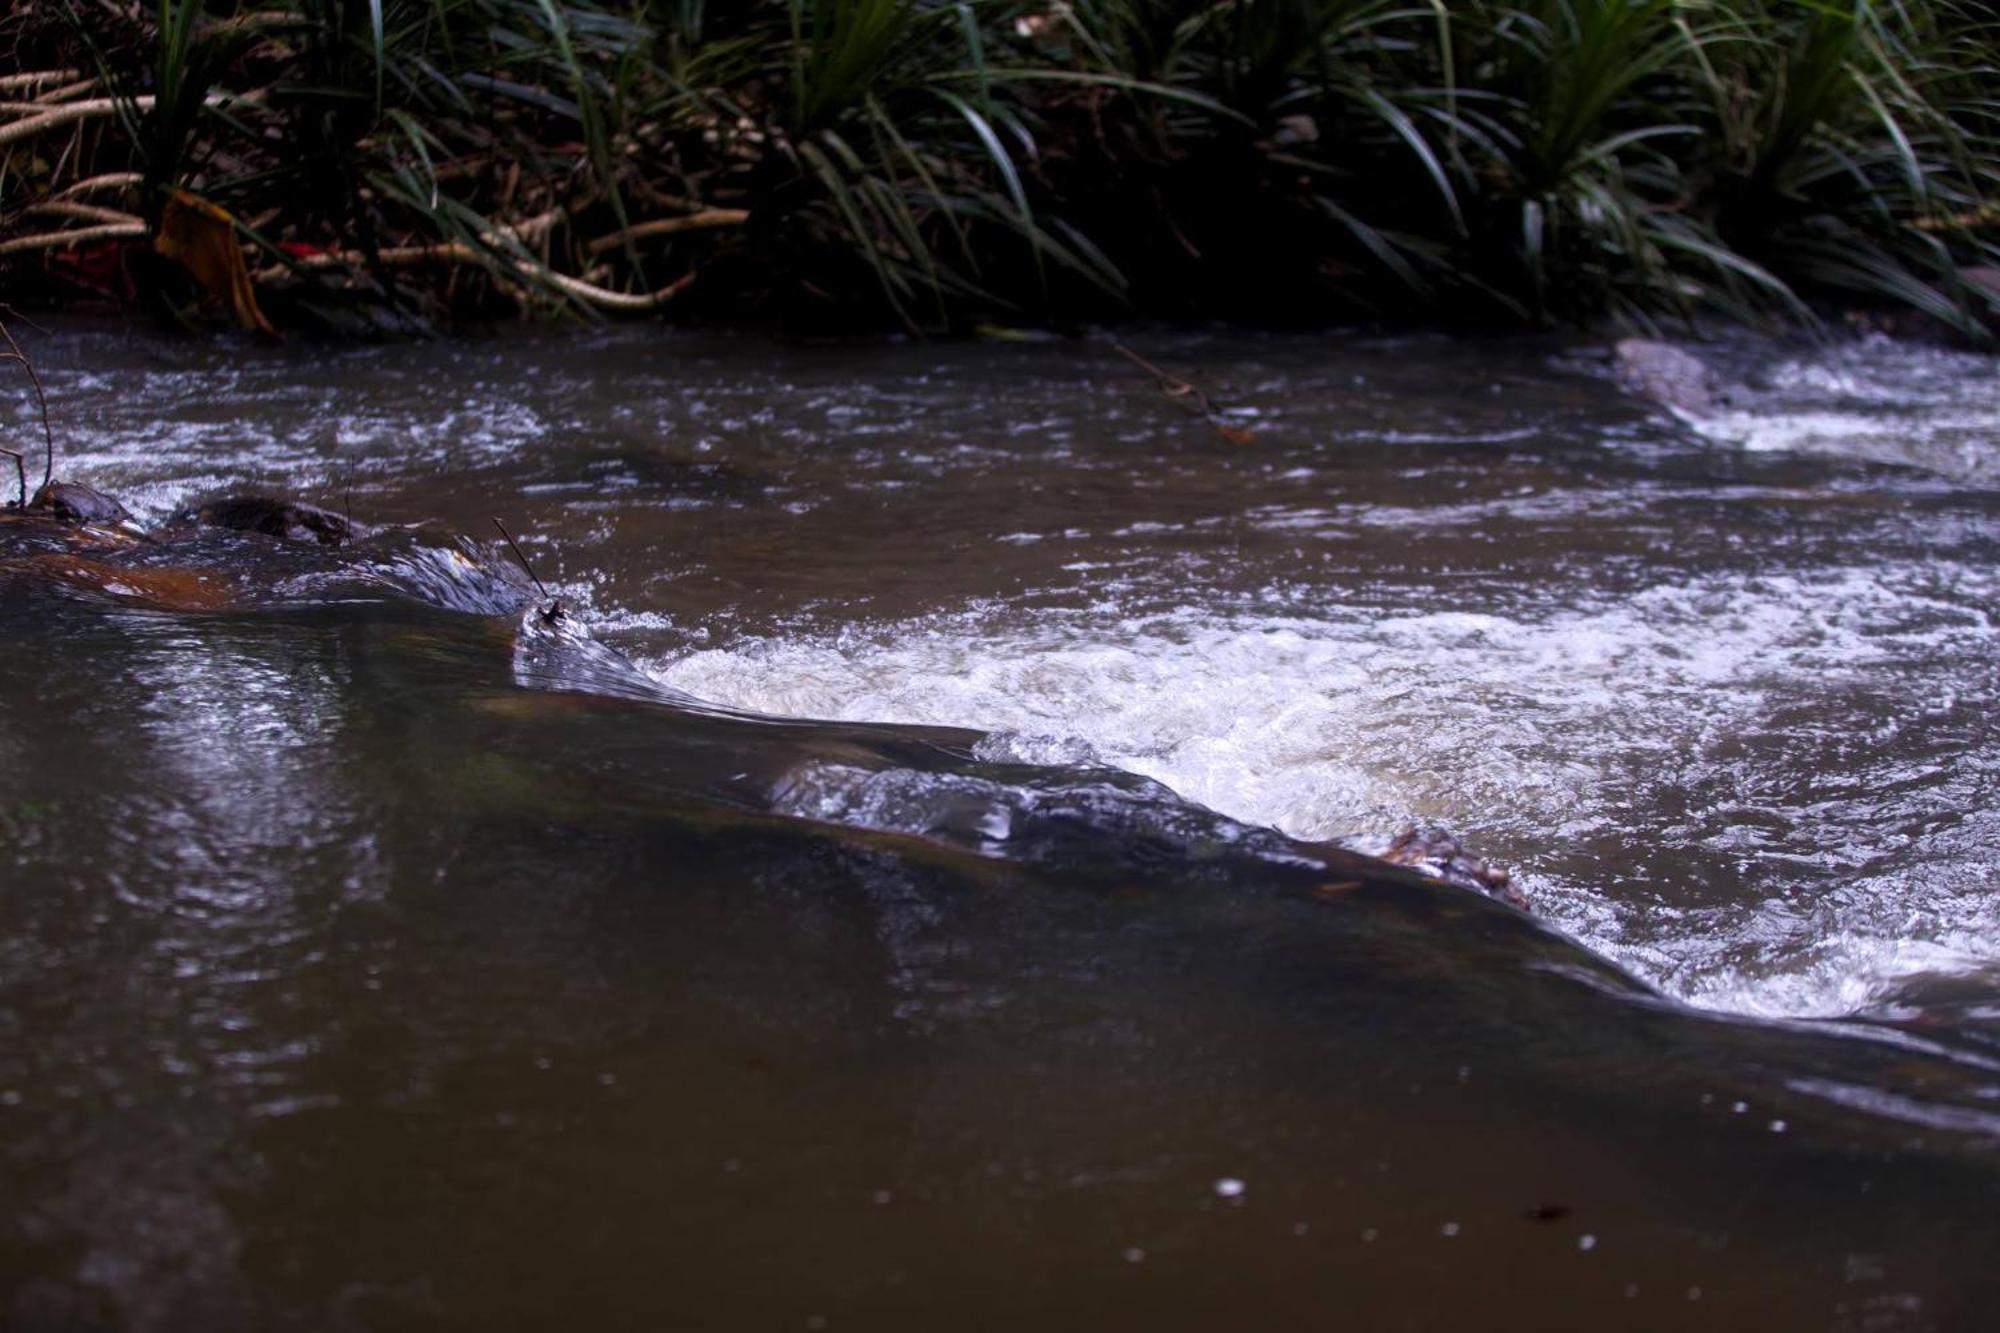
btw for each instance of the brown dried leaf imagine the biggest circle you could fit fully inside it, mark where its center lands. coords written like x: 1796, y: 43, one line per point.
x: 201, y: 238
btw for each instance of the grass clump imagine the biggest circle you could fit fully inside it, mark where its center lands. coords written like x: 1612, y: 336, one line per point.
x: 940, y: 162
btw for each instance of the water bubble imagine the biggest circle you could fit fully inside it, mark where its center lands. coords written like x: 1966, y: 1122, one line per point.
x: 1229, y: 1187
x: 1586, y: 1242
x: 1448, y: 1229
x: 1133, y: 1254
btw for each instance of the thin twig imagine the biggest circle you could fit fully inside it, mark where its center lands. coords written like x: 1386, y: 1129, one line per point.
x: 1172, y: 386
x: 555, y: 603
x: 14, y: 353
x: 1188, y: 395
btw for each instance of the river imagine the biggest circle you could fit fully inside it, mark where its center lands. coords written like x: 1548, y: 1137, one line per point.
x: 890, y: 899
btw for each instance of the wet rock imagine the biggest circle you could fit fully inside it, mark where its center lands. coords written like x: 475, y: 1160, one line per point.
x: 76, y: 541
x: 1668, y: 375
x: 1437, y: 853
x: 288, y: 520
x: 68, y: 502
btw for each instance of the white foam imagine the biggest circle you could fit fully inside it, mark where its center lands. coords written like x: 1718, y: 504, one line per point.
x: 1526, y: 734
x: 1875, y: 400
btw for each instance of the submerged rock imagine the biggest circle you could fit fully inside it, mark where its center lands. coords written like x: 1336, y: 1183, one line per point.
x: 68, y: 502
x: 1032, y: 799
x: 289, y: 520
x: 1668, y: 375
x: 237, y: 553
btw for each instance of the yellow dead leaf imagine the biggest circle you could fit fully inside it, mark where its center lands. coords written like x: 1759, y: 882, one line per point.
x: 201, y: 238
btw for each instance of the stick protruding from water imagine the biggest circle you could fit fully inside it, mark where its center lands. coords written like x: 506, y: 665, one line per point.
x: 14, y: 353
x: 1188, y: 394
x: 554, y: 607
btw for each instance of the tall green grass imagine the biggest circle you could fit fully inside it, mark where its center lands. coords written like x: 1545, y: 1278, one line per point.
x: 938, y: 162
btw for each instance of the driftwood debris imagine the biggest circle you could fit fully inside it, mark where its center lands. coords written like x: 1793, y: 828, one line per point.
x: 1442, y: 856
x: 1187, y: 394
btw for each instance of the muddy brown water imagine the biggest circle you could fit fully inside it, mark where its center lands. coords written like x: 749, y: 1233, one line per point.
x: 896, y: 904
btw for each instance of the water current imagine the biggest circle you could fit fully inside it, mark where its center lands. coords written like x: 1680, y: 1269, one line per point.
x: 1718, y: 690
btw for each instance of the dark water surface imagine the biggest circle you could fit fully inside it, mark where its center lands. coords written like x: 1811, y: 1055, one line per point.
x: 375, y: 956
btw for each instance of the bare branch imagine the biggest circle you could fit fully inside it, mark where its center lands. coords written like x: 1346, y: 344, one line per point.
x: 111, y: 180
x: 69, y: 112
x: 58, y: 116
x: 14, y: 353
x: 702, y: 221
x: 56, y: 240
x: 87, y: 212
x: 457, y: 252
x: 34, y: 78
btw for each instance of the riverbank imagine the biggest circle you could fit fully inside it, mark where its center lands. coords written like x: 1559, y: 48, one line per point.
x: 843, y: 164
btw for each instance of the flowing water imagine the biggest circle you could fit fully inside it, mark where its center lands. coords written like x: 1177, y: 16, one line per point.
x: 898, y: 893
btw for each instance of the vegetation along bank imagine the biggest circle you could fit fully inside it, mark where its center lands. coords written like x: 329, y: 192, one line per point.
x: 389, y: 164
